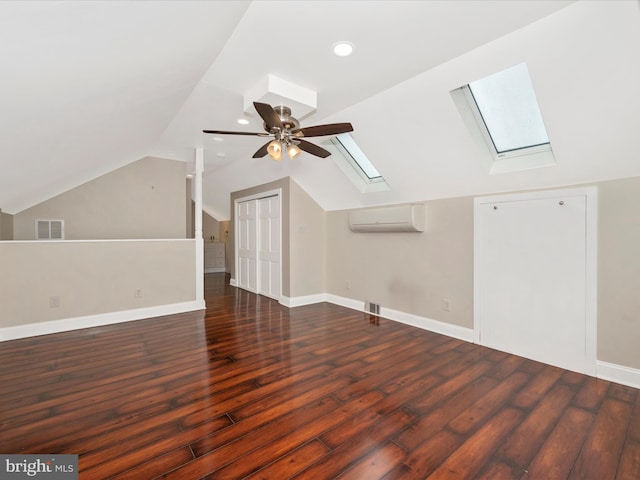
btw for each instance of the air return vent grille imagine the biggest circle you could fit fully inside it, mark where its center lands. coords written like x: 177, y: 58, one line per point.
x: 373, y: 308
x: 49, y: 229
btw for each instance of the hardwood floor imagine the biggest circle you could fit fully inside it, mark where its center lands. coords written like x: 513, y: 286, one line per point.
x: 256, y: 390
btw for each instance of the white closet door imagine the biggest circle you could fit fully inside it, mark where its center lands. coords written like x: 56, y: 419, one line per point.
x: 269, y: 246
x: 531, y: 279
x: 247, y: 246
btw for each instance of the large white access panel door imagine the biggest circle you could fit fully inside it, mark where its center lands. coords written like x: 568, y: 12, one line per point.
x: 531, y: 274
x: 269, y: 246
x: 247, y: 246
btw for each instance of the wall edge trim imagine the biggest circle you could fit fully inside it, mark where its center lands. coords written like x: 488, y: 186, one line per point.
x: 618, y: 374
x: 436, y: 326
x: 98, y: 320
x: 303, y: 300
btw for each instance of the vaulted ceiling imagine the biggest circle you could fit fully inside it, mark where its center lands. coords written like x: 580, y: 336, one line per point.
x: 87, y: 87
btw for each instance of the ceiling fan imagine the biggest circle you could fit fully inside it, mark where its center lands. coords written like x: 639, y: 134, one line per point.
x: 287, y: 134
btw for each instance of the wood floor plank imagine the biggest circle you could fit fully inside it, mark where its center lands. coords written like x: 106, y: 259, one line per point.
x: 250, y: 388
x: 497, y: 470
x: 486, y: 406
x: 603, y: 446
x: 470, y: 457
x: 289, y: 465
x: 363, y: 439
x: 429, y: 424
x: 629, y: 466
x: 527, y: 438
x: 538, y: 387
x: 557, y: 455
x: 376, y: 464
x: 591, y: 394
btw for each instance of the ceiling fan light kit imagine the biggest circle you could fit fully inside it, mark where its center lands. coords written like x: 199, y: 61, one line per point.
x: 275, y: 150
x: 293, y: 151
x: 287, y: 134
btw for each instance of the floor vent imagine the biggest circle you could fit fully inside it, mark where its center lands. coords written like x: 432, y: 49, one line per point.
x: 373, y: 308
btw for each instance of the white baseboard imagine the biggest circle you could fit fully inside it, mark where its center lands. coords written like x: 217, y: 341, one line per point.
x: 66, y: 324
x: 303, y: 300
x: 346, y: 302
x: 214, y: 270
x: 232, y: 282
x: 618, y: 374
x: 448, y: 329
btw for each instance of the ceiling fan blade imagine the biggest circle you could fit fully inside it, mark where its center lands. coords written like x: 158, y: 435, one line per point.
x: 262, y: 151
x: 224, y: 132
x: 322, y: 130
x: 313, y: 149
x: 268, y: 114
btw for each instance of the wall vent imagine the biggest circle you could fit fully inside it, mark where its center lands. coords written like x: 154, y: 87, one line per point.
x: 49, y: 229
x: 373, y: 308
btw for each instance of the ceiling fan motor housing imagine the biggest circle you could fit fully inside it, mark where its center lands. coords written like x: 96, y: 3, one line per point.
x: 288, y: 122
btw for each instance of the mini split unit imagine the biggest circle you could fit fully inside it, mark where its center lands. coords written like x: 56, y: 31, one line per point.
x: 399, y: 218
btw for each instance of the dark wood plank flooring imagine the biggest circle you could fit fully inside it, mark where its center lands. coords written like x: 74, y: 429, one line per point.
x: 255, y: 390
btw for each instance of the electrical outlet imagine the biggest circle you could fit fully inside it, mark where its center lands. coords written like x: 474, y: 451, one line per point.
x: 348, y: 284
x: 137, y: 293
x: 446, y: 304
x: 54, y: 302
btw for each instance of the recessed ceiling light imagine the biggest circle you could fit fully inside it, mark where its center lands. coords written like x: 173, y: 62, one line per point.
x: 218, y: 139
x: 221, y: 154
x: 343, y: 49
x: 243, y: 121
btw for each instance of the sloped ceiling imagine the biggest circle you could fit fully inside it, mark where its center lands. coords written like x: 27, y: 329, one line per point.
x: 90, y: 86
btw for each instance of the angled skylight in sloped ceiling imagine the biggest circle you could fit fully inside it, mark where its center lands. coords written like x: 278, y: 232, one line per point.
x: 355, y: 164
x: 503, y: 110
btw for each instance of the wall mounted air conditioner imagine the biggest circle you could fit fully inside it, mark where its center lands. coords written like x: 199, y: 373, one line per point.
x: 397, y: 218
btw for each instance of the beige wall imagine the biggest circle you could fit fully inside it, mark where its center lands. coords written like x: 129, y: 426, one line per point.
x: 92, y: 277
x: 414, y: 272
x: 307, y: 234
x: 210, y: 228
x: 6, y: 226
x: 619, y: 272
x: 145, y: 199
x: 409, y: 272
x: 225, y: 237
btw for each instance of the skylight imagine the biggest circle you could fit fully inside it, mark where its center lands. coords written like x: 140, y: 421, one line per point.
x: 504, y: 119
x: 355, y: 164
x: 509, y: 109
x: 347, y: 145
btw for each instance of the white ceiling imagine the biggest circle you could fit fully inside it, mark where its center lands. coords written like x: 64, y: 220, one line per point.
x: 87, y: 87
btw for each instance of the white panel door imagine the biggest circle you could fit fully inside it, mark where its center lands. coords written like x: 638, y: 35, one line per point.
x: 269, y: 246
x: 531, y: 279
x: 247, y: 271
